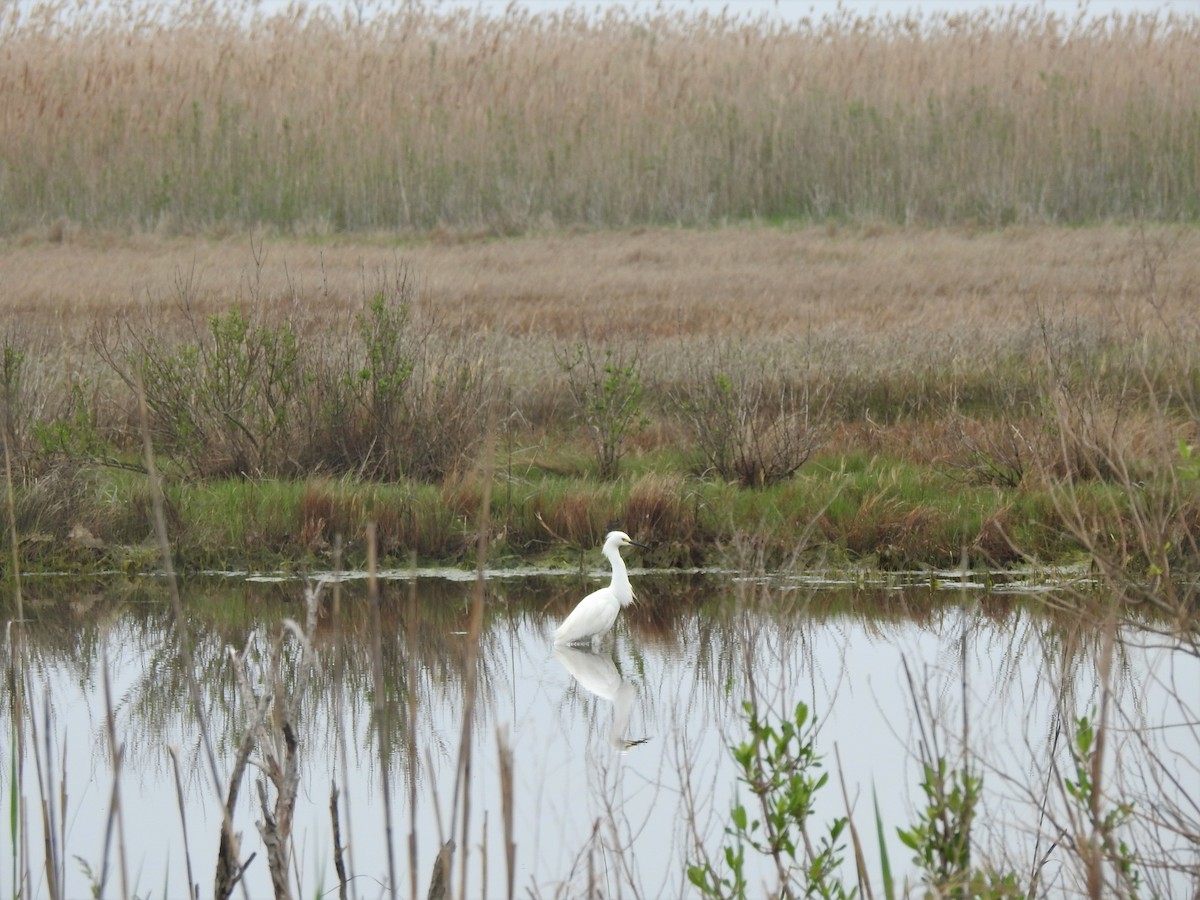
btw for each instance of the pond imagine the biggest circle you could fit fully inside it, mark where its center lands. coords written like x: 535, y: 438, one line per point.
x: 610, y: 772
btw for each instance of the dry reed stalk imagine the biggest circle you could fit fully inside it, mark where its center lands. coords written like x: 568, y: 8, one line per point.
x: 505, y: 754
x: 14, y: 542
x: 339, y: 861
x: 860, y: 864
x: 462, y: 780
x: 17, y: 667
x: 380, y: 705
x: 1100, y: 837
x: 16, y: 682
x: 339, y: 674
x: 45, y: 777
x: 410, y: 742
x: 57, y: 823
x: 193, y: 884
x: 294, y: 118
x: 116, y: 753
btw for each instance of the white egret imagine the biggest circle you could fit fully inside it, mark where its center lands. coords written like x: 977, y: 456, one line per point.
x: 596, y: 613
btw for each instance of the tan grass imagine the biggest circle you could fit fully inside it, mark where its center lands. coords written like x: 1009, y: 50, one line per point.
x: 937, y: 286
x: 210, y: 116
x: 657, y: 505
x: 884, y: 322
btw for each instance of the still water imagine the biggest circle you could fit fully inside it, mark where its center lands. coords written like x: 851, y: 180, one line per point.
x: 621, y: 773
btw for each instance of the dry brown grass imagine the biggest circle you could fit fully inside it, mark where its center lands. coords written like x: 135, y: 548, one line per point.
x: 942, y: 287
x: 886, y: 324
x: 209, y: 117
x: 658, y: 505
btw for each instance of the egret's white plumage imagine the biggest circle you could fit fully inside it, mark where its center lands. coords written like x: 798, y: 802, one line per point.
x: 596, y: 613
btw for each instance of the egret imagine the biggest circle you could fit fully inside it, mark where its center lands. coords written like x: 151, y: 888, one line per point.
x: 596, y: 612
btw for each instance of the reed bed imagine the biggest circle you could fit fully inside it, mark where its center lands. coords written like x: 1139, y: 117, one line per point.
x: 200, y: 117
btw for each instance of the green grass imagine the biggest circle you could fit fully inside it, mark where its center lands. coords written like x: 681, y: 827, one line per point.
x: 857, y: 510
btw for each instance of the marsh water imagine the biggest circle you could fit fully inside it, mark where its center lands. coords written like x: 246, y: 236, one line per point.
x: 621, y: 771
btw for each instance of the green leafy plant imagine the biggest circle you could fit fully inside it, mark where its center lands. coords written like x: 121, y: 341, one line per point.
x: 30, y: 389
x: 74, y: 432
x: 387, y: 366
x: 12, y: 366
x: 222, y: 402
x: 1188, y: 465
x: 782, y: 770
x: 608, y: 396
x: 941, y: 838
x: 364, y: 395
x: 1103, y: 821
x: 417, y: 397
x: 780, y: 767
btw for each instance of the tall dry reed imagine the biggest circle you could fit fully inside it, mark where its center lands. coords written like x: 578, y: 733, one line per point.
x: 213, y: 116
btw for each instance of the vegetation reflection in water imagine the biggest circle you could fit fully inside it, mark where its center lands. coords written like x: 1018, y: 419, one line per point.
x: 621, y: 768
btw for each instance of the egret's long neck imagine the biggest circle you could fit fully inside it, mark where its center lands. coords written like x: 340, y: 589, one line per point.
x: 620, y: 577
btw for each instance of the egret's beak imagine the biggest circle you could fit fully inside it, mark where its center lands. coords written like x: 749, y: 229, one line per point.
x: 633, y: 543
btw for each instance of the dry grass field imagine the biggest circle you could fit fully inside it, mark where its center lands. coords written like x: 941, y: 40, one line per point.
x: 871, y: 285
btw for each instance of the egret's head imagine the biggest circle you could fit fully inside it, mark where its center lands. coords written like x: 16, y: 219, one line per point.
x: 618, y: 539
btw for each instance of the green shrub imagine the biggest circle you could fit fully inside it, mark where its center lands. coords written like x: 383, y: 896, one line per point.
x: 608, y: 398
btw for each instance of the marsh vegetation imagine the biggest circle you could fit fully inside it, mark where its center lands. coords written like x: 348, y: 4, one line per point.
x: 914, y: 396
x: 244, y: 216
x: 908, y: 302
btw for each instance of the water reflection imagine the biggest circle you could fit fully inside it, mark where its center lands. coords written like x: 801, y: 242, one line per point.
x: 598, y: 674
x: 1000, y: 675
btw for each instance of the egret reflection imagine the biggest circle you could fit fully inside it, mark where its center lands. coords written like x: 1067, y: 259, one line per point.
x: 598, y: 674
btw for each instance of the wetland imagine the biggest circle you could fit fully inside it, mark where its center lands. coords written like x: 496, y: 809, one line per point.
x: 331, y: 347
x: 607, y: 771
